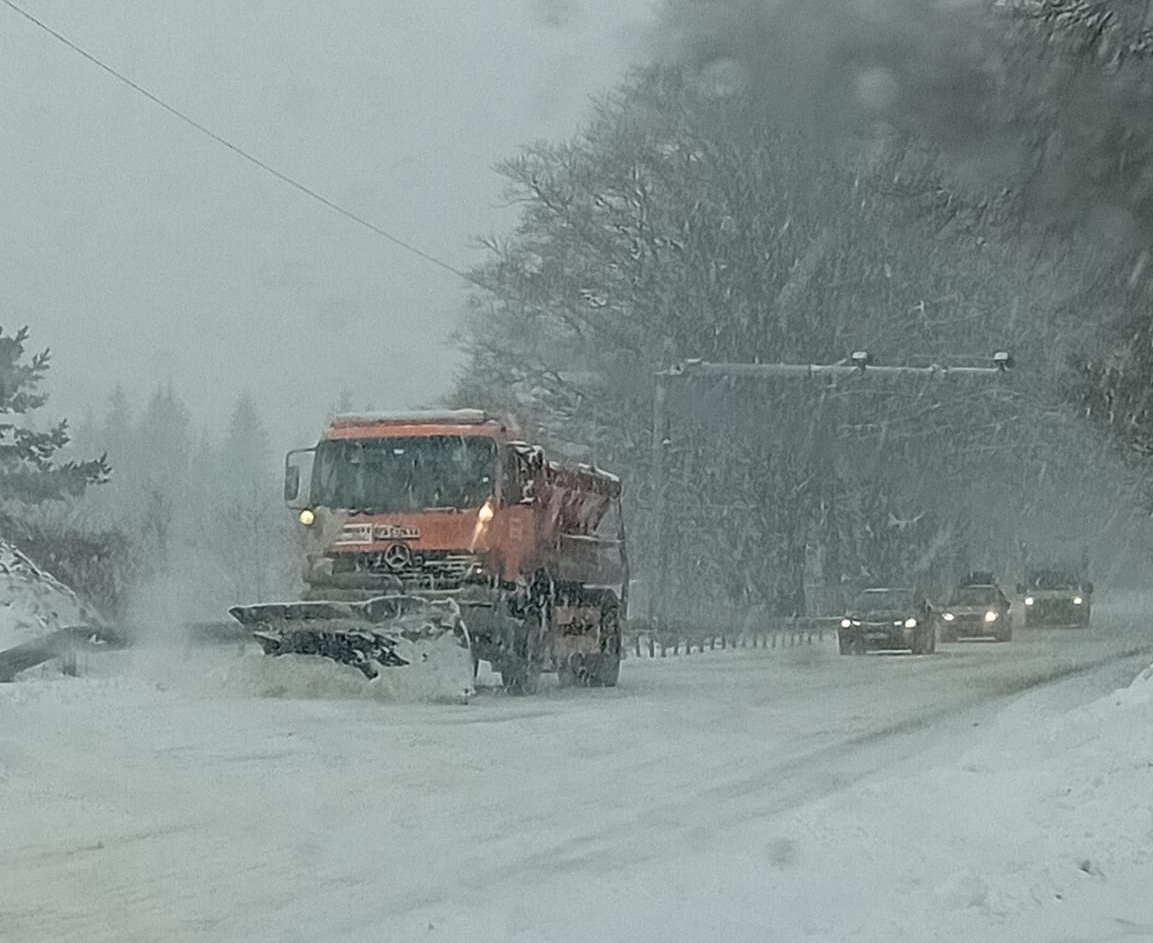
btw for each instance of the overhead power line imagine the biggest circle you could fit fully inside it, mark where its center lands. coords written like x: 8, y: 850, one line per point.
x: 239, y: 151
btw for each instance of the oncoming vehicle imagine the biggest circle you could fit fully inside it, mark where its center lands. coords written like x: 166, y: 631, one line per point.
x: 1056, y: 596
x: 888, y: 619
x: 977, y: 609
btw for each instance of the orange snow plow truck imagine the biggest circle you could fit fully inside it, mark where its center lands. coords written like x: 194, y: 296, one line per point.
x: 436, y: 540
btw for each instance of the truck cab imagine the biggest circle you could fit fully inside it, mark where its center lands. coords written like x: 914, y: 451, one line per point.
x: 452, y: 503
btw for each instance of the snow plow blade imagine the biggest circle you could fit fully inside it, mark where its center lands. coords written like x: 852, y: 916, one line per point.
x: 372, y: 636
x: 61, y: 643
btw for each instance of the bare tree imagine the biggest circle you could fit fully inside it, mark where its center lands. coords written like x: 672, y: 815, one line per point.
x: 686, y: 221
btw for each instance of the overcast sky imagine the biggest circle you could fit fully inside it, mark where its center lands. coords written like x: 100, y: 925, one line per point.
x: 140, y: 251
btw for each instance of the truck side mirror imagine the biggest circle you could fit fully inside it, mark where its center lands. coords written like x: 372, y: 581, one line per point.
x: 291, y: 483
x: 298, y: 477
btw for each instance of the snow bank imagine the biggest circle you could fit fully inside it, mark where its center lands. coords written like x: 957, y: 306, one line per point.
x: 1040, y: 831
x: 1139, y: 692
x: 445, y: 675
x: 32, y: 601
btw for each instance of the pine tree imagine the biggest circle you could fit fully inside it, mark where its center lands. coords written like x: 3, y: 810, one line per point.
x: 246, y: 459
x: 29, y: 470
x: 246, y: 536
x: 162, y: 445
x: 118, y: 426
x: 38, y: 491
x: 86, y: 433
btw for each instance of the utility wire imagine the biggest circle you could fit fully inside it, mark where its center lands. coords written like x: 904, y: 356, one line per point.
x: 239, y: 151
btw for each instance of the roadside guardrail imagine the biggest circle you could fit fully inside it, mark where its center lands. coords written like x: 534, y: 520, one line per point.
x: 643, y: 639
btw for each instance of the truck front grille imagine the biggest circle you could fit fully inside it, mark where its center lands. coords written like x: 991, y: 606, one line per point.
x: 433, y: 569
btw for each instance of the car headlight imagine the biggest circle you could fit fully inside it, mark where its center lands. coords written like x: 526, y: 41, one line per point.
x: 845, y: 623
x: 990, y: 616
x: 910, y: 623
x: 948, y: 617
x: 1028, y: 600
x: 1077, y: 600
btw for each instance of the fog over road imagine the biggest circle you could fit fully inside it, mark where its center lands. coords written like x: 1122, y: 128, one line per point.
x: 164, y: 796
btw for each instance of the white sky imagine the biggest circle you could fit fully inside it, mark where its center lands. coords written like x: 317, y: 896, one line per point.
x: 142, y: 252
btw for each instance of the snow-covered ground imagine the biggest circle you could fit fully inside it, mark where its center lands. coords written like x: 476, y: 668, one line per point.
x: 736, y: 796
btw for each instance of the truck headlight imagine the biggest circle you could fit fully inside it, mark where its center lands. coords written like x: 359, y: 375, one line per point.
x: 1077, y: 600
x: 1028, y: 600
x: 845, y: 623
x: 307, y: 517
x: 990, y: 616
x: 948, y: 617
x: 910, y: 623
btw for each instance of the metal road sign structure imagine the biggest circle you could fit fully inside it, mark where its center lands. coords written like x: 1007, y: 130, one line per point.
x: 859, y: 366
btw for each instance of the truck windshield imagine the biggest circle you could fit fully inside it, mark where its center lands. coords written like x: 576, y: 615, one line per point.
x: 397, y: 475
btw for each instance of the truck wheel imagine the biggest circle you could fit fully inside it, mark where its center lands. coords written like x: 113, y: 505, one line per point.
x: 604, y: 669
x: 575, y: 671
x: 520, y: 668
x: 520, y: 680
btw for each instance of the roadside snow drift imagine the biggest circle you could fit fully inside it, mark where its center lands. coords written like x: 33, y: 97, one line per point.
x: 32, y: 601
x: 1041, y: 831
x: 437, y: 671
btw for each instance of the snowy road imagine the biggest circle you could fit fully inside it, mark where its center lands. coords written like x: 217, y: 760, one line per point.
x: 162, y: 799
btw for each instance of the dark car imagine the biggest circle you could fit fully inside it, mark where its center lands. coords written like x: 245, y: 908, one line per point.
x: 977, y: 610
x: 1056, y: 596
x: 885, y: 618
